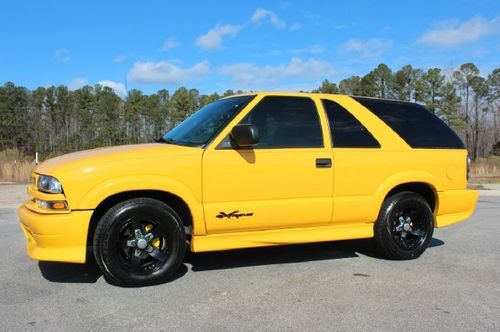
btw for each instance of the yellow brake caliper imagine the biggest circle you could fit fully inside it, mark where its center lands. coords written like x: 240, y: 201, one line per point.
x: 156, y: 241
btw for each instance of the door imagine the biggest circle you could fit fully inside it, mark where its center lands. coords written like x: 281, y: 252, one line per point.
x: 284, y: 181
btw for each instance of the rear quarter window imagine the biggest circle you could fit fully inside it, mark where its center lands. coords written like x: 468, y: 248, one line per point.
x: 414, y: 124
x: 345, y: 130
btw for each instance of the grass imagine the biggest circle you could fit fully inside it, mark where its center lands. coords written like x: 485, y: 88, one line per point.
x: 16, y: 172
x: 486, y: 167
x: 14, y: 167
x: 485, y: 170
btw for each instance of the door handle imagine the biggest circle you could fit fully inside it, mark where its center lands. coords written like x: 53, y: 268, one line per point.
x: 323, y: 163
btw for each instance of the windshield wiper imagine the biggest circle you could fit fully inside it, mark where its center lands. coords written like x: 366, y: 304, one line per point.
x: 168, y: 140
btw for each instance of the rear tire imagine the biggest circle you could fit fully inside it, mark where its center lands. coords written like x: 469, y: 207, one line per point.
x: 404, y: 227
x: 139, y: 242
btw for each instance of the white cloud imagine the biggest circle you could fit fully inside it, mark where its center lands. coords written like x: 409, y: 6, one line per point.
x: 251, y: 75
x: 453, y: 33
x: 77, y: 83
x: 166, y: 72
x: 62, y: 55
x: 119, y: 88
x: 169, y: 44
x: 262, y: 15
x: 212, y: 40
x: 295, y: 27
x: 370, y: 48
x: 120, y: 58
x: 313, y: 49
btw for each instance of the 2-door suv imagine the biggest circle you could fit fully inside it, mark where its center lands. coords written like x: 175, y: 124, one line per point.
x: 253, y: 170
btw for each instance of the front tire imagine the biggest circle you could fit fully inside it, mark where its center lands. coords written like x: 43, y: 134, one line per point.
x: 404, y: 227
x: 139, y: 242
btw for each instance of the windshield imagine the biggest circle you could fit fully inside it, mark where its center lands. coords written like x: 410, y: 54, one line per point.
x: 199, y: 128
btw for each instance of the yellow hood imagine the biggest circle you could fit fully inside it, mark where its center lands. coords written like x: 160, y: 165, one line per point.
x: 100, y: 169
x: 89, y: 158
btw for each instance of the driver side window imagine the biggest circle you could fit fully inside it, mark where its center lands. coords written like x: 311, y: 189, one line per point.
x: 286, y: 122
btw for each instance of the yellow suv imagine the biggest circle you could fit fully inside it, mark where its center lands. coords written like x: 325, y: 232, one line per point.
x: 253, y: 170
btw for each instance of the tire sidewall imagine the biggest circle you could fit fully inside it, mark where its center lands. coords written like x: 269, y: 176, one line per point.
x: 114, y: 220
x: 384, y: 234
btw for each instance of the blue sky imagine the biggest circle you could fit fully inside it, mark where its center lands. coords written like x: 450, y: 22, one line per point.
x: 248, y: 45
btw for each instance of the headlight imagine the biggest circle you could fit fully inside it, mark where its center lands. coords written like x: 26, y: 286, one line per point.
x: 48, y: 184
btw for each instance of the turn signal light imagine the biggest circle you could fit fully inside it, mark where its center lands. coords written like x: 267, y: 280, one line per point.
x: 52, y: 205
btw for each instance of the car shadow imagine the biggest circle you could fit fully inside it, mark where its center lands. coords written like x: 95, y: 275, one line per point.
x: 88, y: 272
x: 222, y: 260
x: 70, y: 272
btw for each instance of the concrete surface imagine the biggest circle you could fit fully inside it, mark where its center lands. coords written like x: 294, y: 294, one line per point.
x: 492, y: 186
x: 454, y: 286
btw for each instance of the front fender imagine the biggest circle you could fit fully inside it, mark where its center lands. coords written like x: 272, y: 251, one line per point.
x: 113, y: 186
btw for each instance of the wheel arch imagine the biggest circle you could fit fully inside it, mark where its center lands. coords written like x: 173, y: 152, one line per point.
x: 174, y: 201
x: 421, y: 183
x: 423, y: 189
x: 186, y: 203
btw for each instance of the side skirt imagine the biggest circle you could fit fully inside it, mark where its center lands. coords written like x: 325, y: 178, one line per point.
x: 276, y: 237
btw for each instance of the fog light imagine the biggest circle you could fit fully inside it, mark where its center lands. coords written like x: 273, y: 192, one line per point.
x: 52, y: 205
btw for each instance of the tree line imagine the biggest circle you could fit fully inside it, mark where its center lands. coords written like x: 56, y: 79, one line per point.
x: 55, y: 120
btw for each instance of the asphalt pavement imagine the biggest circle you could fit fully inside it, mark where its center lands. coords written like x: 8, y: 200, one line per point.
x: 454, y: 285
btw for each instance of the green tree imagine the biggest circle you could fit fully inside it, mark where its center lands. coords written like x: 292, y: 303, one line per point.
x: 463, y: 79
x: 327, y: 87
x: 133, y: 115
x: 494, y: 100
x: 181, y: 105
x: 351, y: 86
x: 431, y: 86
x: 449, y: 107
x: 367, y: 85
x: 84, y: 136
x: 108, y: 104
x: 13, y: 116
x: 382, y: 81
x: 404, y: 83
x: 479, y: 86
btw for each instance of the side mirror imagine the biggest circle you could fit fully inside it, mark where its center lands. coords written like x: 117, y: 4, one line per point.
x: 245, y: 135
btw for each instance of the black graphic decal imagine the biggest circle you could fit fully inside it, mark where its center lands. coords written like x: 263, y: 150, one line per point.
x: 234, y: 214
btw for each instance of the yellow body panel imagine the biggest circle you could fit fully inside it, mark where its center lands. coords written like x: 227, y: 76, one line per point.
x: 290, y: 200
x: 61, y: 237
x: 280, y: 237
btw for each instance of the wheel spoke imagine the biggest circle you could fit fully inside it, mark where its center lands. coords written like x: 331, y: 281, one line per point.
x: 417, y: 232
x: 156, y: 253
x: 153, y: 233
x: 128, y: 243
x: 135, y: 260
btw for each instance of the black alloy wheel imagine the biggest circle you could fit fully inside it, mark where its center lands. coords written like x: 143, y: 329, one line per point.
x: 404, y: 227
x: 139, y: 242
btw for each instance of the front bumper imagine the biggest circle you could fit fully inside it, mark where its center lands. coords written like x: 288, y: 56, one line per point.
x: 455, y: 206
x: 55, y: 237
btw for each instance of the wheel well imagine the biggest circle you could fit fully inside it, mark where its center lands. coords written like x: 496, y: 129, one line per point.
x: 423, y: 189
x: 172, y: 200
